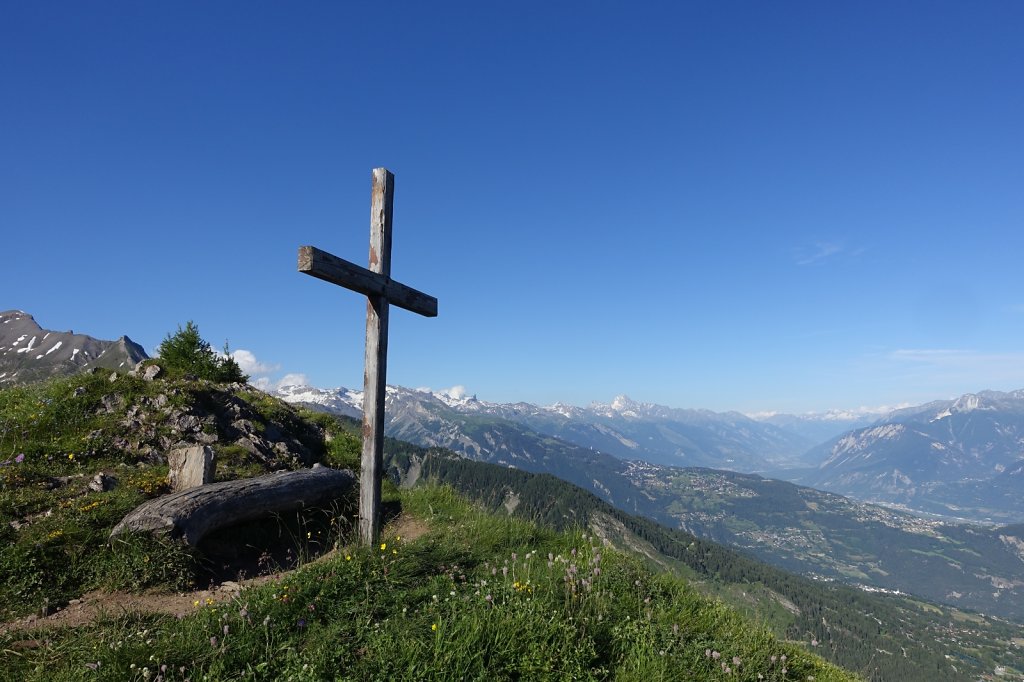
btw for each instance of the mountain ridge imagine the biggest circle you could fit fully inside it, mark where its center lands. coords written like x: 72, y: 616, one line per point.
x: 624, y: 428
x: 953, y: 457
x: 28, y: 352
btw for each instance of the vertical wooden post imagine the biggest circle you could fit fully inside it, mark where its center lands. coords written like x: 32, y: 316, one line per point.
x: 375, y: 376
x: 380, y: 291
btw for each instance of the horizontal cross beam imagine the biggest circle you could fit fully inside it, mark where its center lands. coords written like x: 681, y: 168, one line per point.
x: 323, y: 265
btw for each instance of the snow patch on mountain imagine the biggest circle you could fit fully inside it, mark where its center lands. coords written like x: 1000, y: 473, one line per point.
x: 338, y: 400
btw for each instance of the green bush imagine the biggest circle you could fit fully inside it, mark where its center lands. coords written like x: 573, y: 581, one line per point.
x: 186, y: 352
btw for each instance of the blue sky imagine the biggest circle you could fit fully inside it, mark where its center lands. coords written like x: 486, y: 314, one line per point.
x: 730, y: 205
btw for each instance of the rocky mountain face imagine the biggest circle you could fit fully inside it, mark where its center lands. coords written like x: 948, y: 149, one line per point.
x: 962, y: 457
x: 623, y: 428
x: 30, y: 353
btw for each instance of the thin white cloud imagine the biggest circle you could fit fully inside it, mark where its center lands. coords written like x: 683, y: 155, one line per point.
x: 935, y: 356
x: 261, y: 374
x: 961, y: 370
x: 262, y: 383
x: 956, y: 358
x: 293, y: 379
x: 457, y: 392
x: 819, y: 252
x: 250, y: 365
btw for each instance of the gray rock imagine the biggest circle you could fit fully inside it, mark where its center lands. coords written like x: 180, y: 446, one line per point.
x: 112, y: 402
x: 206, y: 438
x: 101, y: 483
x: 190, y: 467
x: 188, y: 423
x: 255, y: 445
x: 151, y: 372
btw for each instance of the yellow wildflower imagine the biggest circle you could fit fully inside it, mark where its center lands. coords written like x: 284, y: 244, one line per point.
x: 433, y: 626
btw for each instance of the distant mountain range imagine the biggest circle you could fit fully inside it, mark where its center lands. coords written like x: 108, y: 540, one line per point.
x: 30, y: 353
x: 815, y: 533
x: 624, y: 428
x: 962, y: 457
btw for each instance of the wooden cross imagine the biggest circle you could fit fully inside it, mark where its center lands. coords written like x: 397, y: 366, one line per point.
x: 380, y: 291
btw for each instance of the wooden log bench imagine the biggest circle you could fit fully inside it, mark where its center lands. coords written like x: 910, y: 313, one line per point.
x: 193, y: 513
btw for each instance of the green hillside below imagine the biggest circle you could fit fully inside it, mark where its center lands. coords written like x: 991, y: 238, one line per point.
x: 562, y: 586
x: 476, y: 596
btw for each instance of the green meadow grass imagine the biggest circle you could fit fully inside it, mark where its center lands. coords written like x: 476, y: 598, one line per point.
x: 476, y: 597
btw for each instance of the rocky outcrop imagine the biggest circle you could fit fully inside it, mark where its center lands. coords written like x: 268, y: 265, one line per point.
x: 177, y: 414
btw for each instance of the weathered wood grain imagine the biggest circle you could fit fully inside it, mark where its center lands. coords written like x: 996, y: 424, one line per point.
x: 376, y: 363
x: 330, y: 268
x: 192, y: 514
x: 381, y: 291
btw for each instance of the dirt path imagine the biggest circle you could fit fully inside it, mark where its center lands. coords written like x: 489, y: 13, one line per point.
x: 96, y: 604
x: 91, y: 606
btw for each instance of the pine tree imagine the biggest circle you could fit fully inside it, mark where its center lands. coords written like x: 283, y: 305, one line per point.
x: 186, y: 352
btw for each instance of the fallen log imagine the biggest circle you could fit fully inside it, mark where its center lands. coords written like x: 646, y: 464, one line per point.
x: 193, y: 513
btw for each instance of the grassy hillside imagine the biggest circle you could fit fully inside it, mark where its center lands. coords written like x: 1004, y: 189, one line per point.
x: 589, y: 610
x: 882, y: 637
x: 476, y: 596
